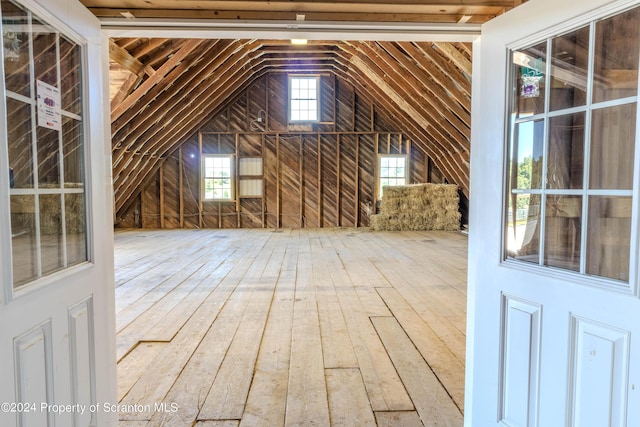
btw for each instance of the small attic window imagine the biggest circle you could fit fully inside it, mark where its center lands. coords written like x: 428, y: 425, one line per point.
x: 392, y: 171
x: 218, y: 177
x: 304, y: 98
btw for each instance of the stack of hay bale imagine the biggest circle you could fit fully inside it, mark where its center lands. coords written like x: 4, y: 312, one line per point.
x: 418, y: 207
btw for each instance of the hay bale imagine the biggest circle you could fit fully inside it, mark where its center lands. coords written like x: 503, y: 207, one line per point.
x: 418, y: 207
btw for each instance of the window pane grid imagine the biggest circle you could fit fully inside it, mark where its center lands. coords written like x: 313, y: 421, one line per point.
x: 303, y: 99
x: 391, y: 172
x: 217, y: 178
x: 572, y: 146
x: 46, y: 158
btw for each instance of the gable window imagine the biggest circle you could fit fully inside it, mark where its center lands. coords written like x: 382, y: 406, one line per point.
x: 392, y: 171
x: 572, y: 149
x: 218, y: 177
x: 304, y: 98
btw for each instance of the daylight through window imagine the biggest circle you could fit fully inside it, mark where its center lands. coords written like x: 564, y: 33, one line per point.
x: 303, y: 98
x: 218, y: 178
x: 392, y: 171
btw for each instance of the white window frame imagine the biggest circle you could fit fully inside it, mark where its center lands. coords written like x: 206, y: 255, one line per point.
x: 291, y: 99
x: 379, y: 176
x: 43, y: 279
x: 580, y: 276
x: 204, y: 177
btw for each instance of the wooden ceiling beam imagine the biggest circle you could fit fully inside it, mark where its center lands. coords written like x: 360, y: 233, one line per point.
x: 436, y: 56
x: 129, y: 62
x: 458, y: 58
x: 147, y: 47
x: 452, y: 169
x: 381, y: 67
x: 164, y: 52
x: 457, y: 114
x: 434, y: 11
x: 442, y: 18
x: 128, y: 42
x: 172, y: 62
x: 302, y: 6
x: 125, y: 89
x: 178, y: 79
x: 131, y: 138
x: 442, y: 73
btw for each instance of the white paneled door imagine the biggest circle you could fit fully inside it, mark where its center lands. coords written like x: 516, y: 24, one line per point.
x: 57, y: 358
x: 554, y: 314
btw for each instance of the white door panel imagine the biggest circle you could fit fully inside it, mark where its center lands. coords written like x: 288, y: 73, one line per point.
x: 57, y: 337
x: 546, y: 346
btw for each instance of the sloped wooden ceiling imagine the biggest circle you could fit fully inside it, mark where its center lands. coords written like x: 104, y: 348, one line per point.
x: 163, y: 90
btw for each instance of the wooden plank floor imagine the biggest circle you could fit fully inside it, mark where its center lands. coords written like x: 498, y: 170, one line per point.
x: 312, y: 327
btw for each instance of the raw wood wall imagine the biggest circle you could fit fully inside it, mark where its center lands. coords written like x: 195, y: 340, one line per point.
x: 320, y: 175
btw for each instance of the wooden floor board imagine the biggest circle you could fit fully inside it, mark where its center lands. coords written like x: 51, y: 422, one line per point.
x: 322, y: 327
x: 397, y: 419
x: 218, y: 423
x: 337, y: 348
x: 307, y: 403
x: 266, y: 403
x: 431, y: 400
x: 228, y: 393
x: 348, y: 401
x: 448, y: 369
x: 131, y: 369
x: 383, y: 385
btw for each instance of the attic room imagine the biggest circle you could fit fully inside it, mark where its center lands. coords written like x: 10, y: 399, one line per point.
x: 314, y: 183
x: 375, y: 99
x: 257, y: 213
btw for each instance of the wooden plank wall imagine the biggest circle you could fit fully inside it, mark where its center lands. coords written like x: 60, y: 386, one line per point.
x: 320, y: 175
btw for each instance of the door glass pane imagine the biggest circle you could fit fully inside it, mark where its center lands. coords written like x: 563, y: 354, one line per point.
x: 23, y: 239
x: 529, y: 69
x: 48, y: 157
x: 613, y: 133
x: 616, y: 56
x: 15, y: 41
x: 45, y: 61
x: 51, y: 233
x: 20, y: 144
x: 582, y: 149
x: 563, y: 226
x: 523, y: 231
x: 569, y: 65
x: 76, y: 228
x: 566, y: 151
x: 73, y: 153
x: 47, y: 166
x: 70, y: 76
x: 608, y: 242
x: 528, y: 148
